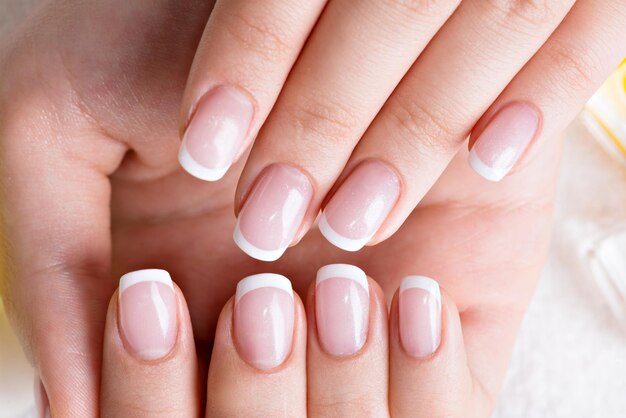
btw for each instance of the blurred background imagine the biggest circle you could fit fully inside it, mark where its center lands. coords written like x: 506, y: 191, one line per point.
x: 570, y: 357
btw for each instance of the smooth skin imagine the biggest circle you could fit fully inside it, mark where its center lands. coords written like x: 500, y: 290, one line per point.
x: 91, y: 189
x: 380, y: 380
x: 402, y: 82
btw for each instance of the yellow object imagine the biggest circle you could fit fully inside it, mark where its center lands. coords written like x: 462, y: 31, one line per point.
x: 605, y: 114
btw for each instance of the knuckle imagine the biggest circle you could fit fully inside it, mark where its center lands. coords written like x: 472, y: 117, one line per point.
x: 265, y: 37
x: 420, y: 7
x: 534, y: 12
x: 576, y: 68
x: 259, y: 411
x: 424, y: 128
x: 346, y: 404
x: 323, y: 119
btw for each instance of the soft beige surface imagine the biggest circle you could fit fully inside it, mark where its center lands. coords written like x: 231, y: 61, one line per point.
x: 570, y: 359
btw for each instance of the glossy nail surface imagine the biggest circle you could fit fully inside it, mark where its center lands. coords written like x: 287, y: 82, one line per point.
x: 147, y: 313
x: 273, y: 212
x: 504, y: 140
x: 419, y: 315
x: 216, y: 133
x: 360, y: 205
x: 341, y: 308
x: 264, y: 319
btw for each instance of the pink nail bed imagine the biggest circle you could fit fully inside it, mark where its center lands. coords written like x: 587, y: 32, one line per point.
x: 263, y: 320
x: 273, y: 212
x: 147, y: 313
x: 419, y: 315
x: 341, y: 308
x: 504, y: 140
x: 216, y: 133
x: 360, y: 205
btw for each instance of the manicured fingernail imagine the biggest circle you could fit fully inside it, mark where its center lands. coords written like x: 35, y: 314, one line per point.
x: 263, y: 319
x: 41, y: 399
x: 147, y: 313
x: 273, y: 212
x: 360, y: 206
x: 216, y: 133
x: 341, y: 308
x: 419, y: 317
x: 504, y: 140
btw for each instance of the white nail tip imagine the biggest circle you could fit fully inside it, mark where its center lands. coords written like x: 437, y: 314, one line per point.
x: 147, y: 275
x: 483, y: 170
x: 346, y: 271
x: 421, y: 282
x: 196, y: 169
x: 255, y: 252
x: 347, y: 244
x: 258, y: 281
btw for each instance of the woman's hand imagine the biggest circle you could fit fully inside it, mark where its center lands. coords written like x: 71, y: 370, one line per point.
x: 344, y: 357
x: 371, y: 109
x: 91, y: 188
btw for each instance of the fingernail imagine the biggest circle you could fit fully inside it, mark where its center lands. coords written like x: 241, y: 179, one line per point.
x: 216, y: 133
x: 504, y: 140
x: 341, y: 308
x: 273, y: 212
x: 263, y: 319
x: 360, y: 206
x: 41, y: 399
x: 419, y: 318
x: 147, y: 313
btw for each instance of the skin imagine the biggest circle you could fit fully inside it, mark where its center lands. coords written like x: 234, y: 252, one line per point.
x: 427, y: 61
x: 91, y: 189
x: 379, y: 380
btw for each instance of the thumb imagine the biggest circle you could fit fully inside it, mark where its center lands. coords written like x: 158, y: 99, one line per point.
x: 56, y: 235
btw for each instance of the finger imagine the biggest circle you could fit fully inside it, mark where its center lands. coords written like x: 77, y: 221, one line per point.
x: 326, y: 105
x: 347, y: 353
x: 258, y: 365
x: 149, y: 364
x: 555, y: 84
x: 55, y: 215
x: 246, y: 52
x: 429, y: 375
x: 430, y: 114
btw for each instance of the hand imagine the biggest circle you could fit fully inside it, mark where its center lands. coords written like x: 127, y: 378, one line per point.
x: 343, y: 358
x: 373, y: 107
x: 92, y: 189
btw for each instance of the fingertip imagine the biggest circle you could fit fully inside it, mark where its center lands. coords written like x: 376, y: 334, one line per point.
x: 259, y: 350
x: 148, y: 337
x: 191, y: 166
x: 483, y: 170
x: 347, y: 343
x: 338, y: 240
x: 426, y: 346
x: 148, y: 314
x: 254, y: 251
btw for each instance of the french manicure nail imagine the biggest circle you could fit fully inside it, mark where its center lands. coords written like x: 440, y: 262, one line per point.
x: 273, y: 212
x: 360, y: 205
x: 419, y: 320
x: 341, y: 308
x: 216, y: 133
x: 504, y: 140
x: 147, y: 313
x: 41, y: 399
x: 264, y: 319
